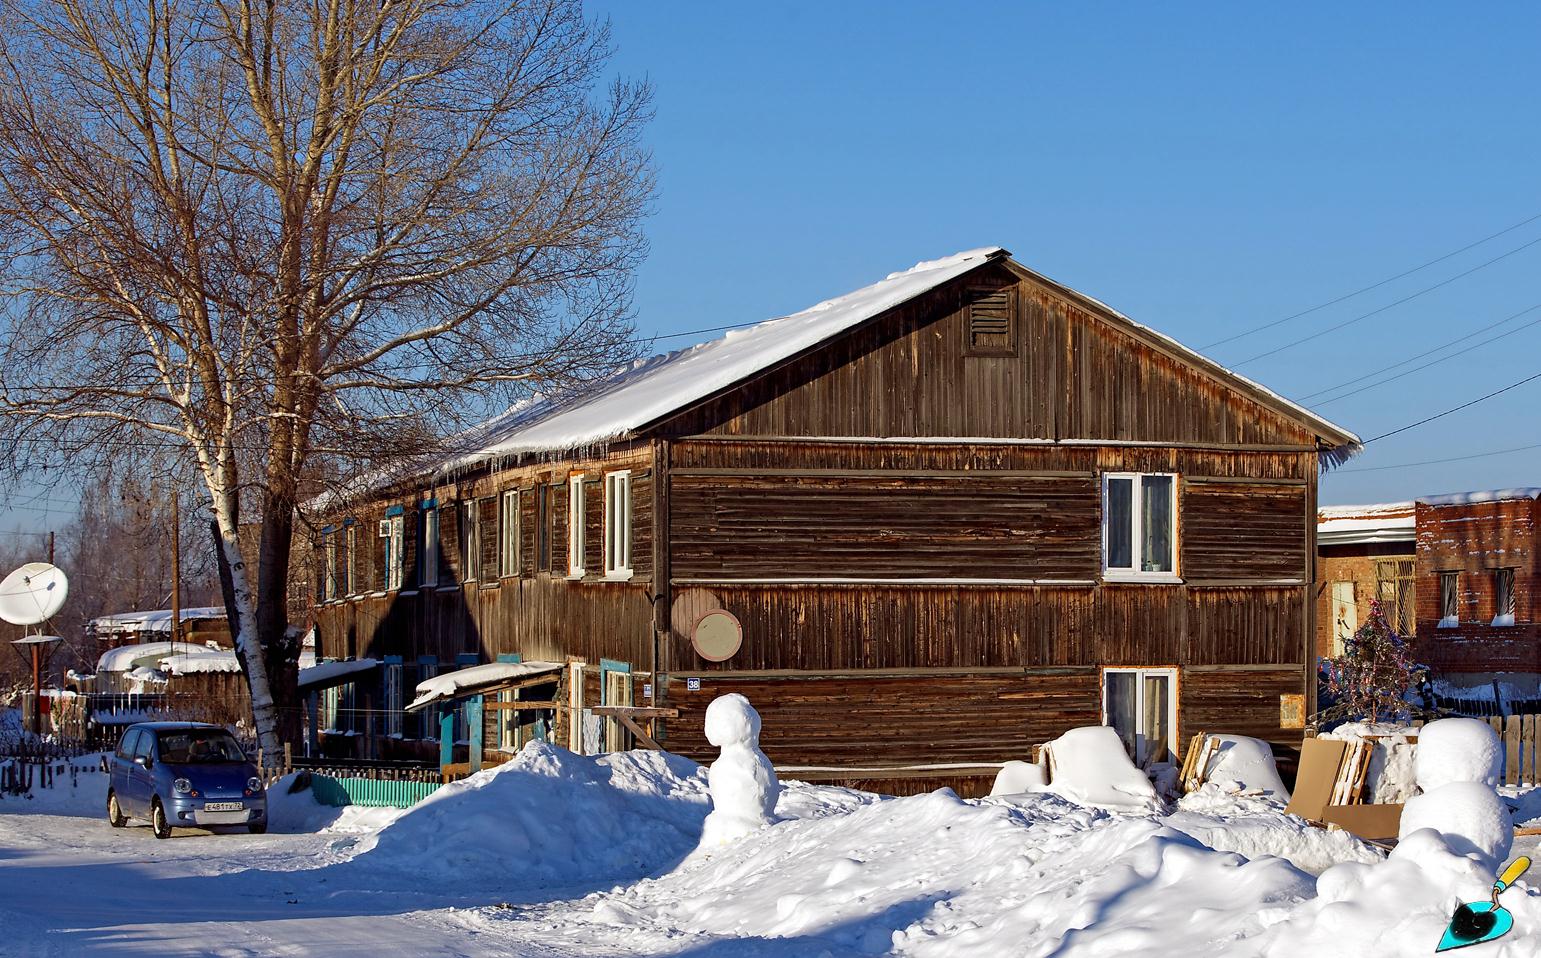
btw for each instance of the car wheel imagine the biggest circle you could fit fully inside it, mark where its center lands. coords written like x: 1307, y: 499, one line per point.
x: 115, y: 816
x: 158, y: 823
x: 257, y: 828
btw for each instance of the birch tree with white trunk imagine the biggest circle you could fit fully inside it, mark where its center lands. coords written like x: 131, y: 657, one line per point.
x: 288, y: 240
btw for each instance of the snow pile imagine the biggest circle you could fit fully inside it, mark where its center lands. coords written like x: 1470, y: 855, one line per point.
x: 1090, y: 767
x: 1245, y: 764
x: 743, y: 783
x: 550, y: 817
x: 1255, y: 826
x: 1019, y: 778
x: 1459, y: 762
x: 1392, y: 778
x: 934, y: 875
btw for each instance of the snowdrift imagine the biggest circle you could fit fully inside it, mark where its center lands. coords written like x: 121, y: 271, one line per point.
x: 551, y: 818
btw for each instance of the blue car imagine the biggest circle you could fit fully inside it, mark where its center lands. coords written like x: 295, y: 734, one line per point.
x: 184, y: 773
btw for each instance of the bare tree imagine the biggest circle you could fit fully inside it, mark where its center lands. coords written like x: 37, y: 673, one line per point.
x: 284, y: 239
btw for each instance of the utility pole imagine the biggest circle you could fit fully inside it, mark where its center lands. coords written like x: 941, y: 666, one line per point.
x: 50, y: 548
x: 176, y: 572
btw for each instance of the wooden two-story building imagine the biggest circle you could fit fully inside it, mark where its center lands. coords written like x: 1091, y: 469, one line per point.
x: 931, y: 522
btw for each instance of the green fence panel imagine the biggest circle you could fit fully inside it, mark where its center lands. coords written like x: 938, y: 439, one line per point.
x: 369, y: 792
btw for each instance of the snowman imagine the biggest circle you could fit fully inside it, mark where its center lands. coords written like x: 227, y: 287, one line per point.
x: 742, y: 782
x: 1457, y: 767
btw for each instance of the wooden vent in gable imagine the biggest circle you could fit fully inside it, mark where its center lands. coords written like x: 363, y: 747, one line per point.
x: 992, y: 320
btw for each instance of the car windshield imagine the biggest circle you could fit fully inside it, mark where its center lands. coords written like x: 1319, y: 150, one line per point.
x: 199, y: 746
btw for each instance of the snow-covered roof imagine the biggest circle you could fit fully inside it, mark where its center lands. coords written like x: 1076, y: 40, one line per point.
x: 126, y: 658
x: 1358, y: 525
x: 178, y: 658
x: 477, y: 678
x: 328, y: 674
x: 155, y: 620
x: 653, y: 389
x: 1490, y: 495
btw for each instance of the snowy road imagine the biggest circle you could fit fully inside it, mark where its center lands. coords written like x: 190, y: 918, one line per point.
x: 70, y: 885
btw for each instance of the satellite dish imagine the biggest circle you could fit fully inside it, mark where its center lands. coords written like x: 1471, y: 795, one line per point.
x: 33, y: 593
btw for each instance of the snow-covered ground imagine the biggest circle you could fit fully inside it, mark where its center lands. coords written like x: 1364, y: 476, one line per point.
x: 556, y: 854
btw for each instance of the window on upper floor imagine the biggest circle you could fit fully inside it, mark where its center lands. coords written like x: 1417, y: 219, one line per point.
x: 329, y: 574
x: 575, y: 517
x: 508, y: 534
x: 393, y: 531
x: 470, y: 538
x: 1503, y: 596
x: 1449, y: 600
x: 1139, y: 526
x: 428, y: 546
x: 618, y: 525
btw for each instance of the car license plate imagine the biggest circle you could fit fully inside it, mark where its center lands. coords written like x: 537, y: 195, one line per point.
x: 222, y: 806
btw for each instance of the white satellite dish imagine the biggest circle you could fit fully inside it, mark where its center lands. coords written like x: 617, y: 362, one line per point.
x: 33, y: 593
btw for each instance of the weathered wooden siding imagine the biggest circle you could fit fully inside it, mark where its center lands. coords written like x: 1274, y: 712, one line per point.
x: 896, y: 720
x: 539, y: 613
x: 1074, y: 375
x: 1239, y: 702
x: 965, y: 525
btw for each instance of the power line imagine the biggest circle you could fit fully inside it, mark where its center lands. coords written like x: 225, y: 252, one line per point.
x: 1411, y: 359
x: 1454, y: 409
x: 1377, y: 311
x: 1372, y: 286
x: 1433, y: 362
x: 1434, y: 462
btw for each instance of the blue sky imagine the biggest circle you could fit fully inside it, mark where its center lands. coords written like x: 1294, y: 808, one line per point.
x: 1204, y: 168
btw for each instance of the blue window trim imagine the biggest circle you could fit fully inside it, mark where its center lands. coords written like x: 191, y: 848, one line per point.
x: 510, y: 658
x: 468, y: 658
x: 392, y: 660
x: 429, y: 504
x: 606, y: 666
x: 328, y: 530
x: 395, y: 511
x: 427, y: 660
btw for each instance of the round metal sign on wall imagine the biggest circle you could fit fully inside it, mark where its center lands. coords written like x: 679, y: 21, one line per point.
x: 717, y: 635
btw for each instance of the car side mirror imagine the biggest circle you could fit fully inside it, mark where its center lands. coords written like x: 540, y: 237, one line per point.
x: 142, y: 760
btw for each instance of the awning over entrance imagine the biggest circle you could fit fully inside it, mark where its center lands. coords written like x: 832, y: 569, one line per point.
x: 481, y: 679
x: 330, y: 674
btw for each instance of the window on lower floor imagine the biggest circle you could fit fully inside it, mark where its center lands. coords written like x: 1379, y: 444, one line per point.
x: 1141, y: 704
x: 1449, y: 600
x: 1503, y: 596
x: 392, y: 679
x: 1394, y: 588
x: 1345, y: 615
x: 1139, y: 525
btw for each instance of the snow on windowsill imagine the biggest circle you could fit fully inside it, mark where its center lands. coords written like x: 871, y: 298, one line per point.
x: 1503, y: 621
x: 1449, y: 622
x: 1142, y: 578
x: 618, y: 576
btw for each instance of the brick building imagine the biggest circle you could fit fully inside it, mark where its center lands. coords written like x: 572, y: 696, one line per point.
x: 1456, y: 572
x: 1364, y: 553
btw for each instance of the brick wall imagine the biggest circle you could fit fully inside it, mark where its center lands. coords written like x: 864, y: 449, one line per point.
x: 1474, y: 540
x: 1356, y: 564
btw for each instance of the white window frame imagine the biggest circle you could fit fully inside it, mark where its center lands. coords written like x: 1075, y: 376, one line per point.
x: 509, y: 521
x: 329, y: 578
x: 470, y: 538
x: 395, y: 549
x: 1446, y: 619
x: 1345, y: 614
x: 618, y: 524
x: 575, y: 517
x: 394, y: 676
x: 1502, y: 619
x: 351, y: 570
x: 428, y: 548
x: 1133, y: 573
x: 1139, y: 709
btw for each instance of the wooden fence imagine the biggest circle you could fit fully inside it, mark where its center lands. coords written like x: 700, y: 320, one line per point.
x: 1519, y: 734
